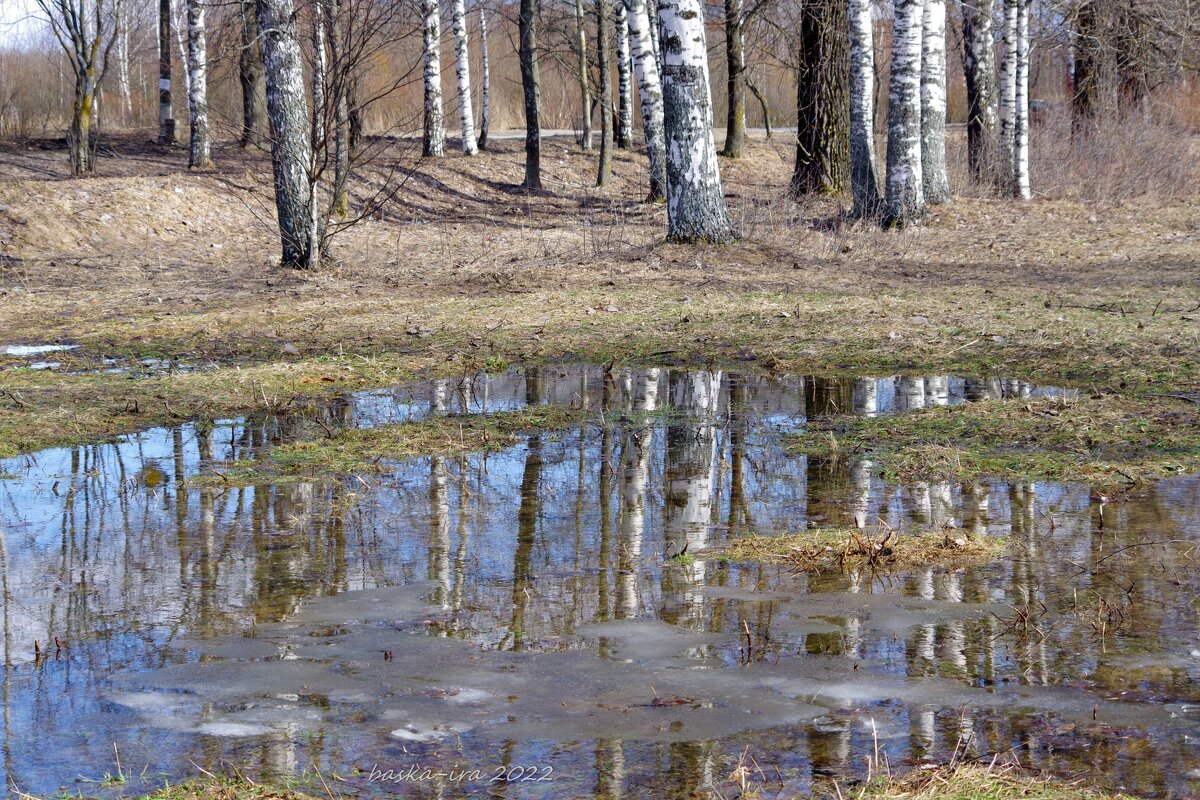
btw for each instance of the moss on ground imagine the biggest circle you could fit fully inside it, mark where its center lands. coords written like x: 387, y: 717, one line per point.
x: 224, y: 788
x: 363, y: 451
x: 1105, y: 440
x: 826, y: 549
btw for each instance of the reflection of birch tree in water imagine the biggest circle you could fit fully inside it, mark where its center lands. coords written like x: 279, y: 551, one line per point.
x: 635, y: 472
x: 688, y: 485
x: 438, y: 569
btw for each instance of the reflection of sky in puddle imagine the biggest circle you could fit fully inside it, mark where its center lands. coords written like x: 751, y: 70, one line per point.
x: 528, y: 615
x: 26, y: 350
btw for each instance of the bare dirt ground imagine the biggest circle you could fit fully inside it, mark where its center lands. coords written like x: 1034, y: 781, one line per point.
x: 463, y: 269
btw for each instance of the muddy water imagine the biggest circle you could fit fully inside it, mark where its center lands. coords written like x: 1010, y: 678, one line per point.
x: 558, y: 613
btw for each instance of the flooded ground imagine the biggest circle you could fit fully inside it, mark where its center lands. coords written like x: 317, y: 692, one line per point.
x: 558, y: 615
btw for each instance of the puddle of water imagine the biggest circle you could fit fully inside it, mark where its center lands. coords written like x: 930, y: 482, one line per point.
x: 519, y: 607
x: 26, y: 350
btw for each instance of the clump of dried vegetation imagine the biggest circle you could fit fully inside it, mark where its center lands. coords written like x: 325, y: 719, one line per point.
x: 884, y: 548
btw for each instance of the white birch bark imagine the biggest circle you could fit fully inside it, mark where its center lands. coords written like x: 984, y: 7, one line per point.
x: 585, y: 94
x: 696, y: 209
x: 320, y: 72
x: 1008, y: 93
x: 650, y: 95
x: 905, y: 180
x: 1021, y: 186
x: 434, y: 143
x: 166, y: 116
x: 199, y: 153
x: 933, y: 103
x: 462, y: 72
x: 287, y: 115
x: 485, y: 77
x: 624, y: 83
x: 864, y: 179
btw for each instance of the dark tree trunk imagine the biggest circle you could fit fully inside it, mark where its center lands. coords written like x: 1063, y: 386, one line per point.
x: 822, y: 100
x: 166, y: 119
x: 603, y: 44
x: 735, y: 87
x: 1083, y: 101
x: 532, y: 92
x: 251, y: 78
x: 979, y: 69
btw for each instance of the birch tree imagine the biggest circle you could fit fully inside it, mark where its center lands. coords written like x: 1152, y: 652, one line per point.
x: 864, y: 180
x: 532, y: 92
x: 199, y: 151
x: 251, y: 78
x: 624, y: 82
x: 462, y: 73
x: 124, y: 87
x: 485, y: 78
x: 166, y: 115
x: 434, y: 138
x: 933, y: 103
x: 649, y: 95
x: 319, y: 75
x: 585, y: 91
x: 735, y: 87
x: 905, y: 181
x: 1020, y: 169
x: 86, y: 35
x: 291, y: 149
x: 1008, y: 92
x: 696, y: 209
x: 603, y: 46
x: 822, y: 105
x: 979, y: 69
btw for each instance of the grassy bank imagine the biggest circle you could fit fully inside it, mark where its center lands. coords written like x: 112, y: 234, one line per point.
x: 1105, y: 440
x: 825, y: 549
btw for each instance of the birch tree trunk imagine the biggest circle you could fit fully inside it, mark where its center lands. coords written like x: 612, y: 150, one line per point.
x: 979, y: 68
x: 696, y: 209
x: 735, y: 87
x: 1021, y: 186
x: 320, y: 74
x: 291, y: 149
x: 933, y: 103
x: 166, y: 118
x: 251, y: 79
x: 650, y: 96
x: 199, y: 154
x: 1008, y: 95
x: 485, y: 78
x: 434, y: 139
x: 532, y: 91
x: 603, y: 46
x: 585, y: 92
x: 822, y: 105
x: 123, y: 84
x: 332, y: 9
x: 462, y: 72
x: 624, y: 83
x: 864, y: 180
x: 905, y: 181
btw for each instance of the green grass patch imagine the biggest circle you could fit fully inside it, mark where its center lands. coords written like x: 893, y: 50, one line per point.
x: 1109, y: 440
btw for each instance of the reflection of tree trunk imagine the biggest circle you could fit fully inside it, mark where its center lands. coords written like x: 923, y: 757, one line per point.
x: 439, y: 533
x: 635, y: 473
x: 527, y: 518
x: 688, y: 489
x: 610, y: 769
